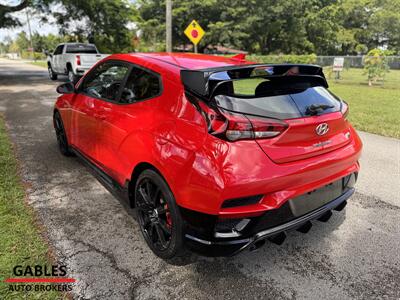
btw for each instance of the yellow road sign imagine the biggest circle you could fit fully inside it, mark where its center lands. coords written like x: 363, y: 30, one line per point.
x: 194, y: 32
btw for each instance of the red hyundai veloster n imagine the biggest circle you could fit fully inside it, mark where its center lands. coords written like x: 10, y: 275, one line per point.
x: 215, y: 154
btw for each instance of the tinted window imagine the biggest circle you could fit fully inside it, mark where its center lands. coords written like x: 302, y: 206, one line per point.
x: 105, y: 81
x: 316, y: 95
x: 81, y: 48
x: 59, y: 50
x: 282, y: 98
x: 279, y: 107
x: 140, y: 85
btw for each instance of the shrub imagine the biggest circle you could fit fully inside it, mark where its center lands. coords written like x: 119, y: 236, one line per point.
x: 290, y: 58
x: 375, y: 65
x: 36, y: 55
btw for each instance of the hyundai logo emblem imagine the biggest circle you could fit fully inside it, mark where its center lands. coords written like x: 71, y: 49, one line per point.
x: 322, y: 129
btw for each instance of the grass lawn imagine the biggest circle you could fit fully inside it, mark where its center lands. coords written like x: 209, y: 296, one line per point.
x: 373, y: 109
x: 21, y: 243
x: 40, y: 63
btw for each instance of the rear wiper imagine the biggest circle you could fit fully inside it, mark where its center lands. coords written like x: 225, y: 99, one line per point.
x: 314, y: 109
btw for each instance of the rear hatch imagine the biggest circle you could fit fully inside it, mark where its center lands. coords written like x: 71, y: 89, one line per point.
x: 86, y: 54
x: 88, y: 60
x: 302, y: 105
x: 293, y: 115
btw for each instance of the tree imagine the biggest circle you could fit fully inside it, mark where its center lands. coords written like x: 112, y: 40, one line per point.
x: 22, y: 41
x: 6, y: 44
x: 14, y: 48
x: 384, y: 24
x: 326, y: 27
x: 323, y: 24
x: 5, y: 19
x: 276, y: 26
x: 39, y: 42
x: 373, y: 23
x: 103, y: 22
x: 152, y: 19
x: 255, y: 25
x: 3, y: 48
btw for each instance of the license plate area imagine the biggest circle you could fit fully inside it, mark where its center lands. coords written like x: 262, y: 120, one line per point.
x: 315, y: 199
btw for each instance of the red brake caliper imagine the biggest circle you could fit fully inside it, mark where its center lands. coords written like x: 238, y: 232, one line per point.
x: 168, y: 215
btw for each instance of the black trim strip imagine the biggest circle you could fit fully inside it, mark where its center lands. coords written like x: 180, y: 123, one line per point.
x: 262, y: 235
x: 310, y: 216
x: 106, y: 180
x: 313, y: 69
x: 235, y: 202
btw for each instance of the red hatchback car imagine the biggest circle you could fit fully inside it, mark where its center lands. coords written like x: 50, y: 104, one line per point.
x: 216, y: 154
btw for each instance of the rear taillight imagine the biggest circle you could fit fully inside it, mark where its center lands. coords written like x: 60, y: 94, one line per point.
x: 344, y: 109
x: 234, y: 126
x: 264, y: 128
x: 78, y: 60
x: 216, y: 122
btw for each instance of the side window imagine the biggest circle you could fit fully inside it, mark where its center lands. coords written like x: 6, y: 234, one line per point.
x: 140, y: 85
x: 59, y: 50
x: 104, y: 81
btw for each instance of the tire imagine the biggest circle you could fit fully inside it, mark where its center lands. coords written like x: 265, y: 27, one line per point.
x: 72, y: 77
x: 52, y: 75
x: 158, y: 216
x: 61, y: 136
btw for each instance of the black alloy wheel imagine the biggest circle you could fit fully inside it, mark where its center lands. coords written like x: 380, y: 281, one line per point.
x: 60, y: 134
x: 158, y: 215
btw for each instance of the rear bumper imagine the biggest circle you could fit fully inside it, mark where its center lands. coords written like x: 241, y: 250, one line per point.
x: 224, y: 171
x: 200, y: 235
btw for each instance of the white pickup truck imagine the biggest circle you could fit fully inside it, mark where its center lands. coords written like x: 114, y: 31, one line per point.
x: 72, y: 59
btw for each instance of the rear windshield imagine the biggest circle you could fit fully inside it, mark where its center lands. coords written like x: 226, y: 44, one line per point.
x: 281, y: 98
x: 81, y: 48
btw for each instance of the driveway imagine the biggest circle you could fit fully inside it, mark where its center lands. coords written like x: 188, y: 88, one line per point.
x: 354, y: 255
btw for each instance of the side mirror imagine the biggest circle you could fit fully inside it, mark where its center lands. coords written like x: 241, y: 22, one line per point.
x: 66, y: 88
x: 46, y: 52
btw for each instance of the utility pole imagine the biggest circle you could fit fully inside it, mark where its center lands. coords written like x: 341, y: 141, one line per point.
x: 30, y: 34
x: 168, y: 25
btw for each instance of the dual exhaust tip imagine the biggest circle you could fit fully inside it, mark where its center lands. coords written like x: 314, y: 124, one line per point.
x: 304, y: 228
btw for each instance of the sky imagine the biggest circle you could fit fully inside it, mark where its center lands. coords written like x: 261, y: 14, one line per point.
x: 36, y: 26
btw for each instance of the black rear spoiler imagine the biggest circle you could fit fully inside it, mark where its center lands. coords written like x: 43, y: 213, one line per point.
x: 203, y: 81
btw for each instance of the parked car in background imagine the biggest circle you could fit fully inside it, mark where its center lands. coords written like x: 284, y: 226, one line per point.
x: 72, y: 59
x: 216, y: 154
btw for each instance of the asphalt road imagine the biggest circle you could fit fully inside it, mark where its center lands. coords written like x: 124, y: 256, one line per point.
x: 354, y: 255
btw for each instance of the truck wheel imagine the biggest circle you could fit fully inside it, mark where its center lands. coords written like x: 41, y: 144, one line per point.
x: 52, y: 75
x: 72, y: 77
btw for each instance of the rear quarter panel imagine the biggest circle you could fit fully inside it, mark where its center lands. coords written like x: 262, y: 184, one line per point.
x: 174, y: 143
